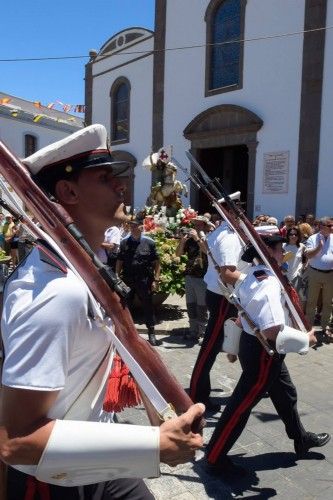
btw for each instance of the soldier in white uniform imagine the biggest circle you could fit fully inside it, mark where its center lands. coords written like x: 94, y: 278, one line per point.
x: 54, y: 349
x: 260, y: 296
x: 225, y: 248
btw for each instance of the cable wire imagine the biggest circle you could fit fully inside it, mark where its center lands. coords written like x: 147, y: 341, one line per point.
x: 171, y: 49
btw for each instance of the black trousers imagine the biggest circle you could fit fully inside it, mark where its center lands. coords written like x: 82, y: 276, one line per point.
x: 261, y: 373
x: 23, y: 487
x: 219, y: 310
x: 142, y: 288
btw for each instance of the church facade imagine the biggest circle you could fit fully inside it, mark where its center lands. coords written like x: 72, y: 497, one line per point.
x: 246, y: 85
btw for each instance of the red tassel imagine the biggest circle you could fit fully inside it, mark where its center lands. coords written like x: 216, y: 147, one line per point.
x: 33, y: 486
x: 295, y: 297
x: 122, y: 390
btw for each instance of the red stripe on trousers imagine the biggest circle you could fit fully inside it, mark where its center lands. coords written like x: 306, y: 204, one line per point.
x: 34, y: 486
x: 262, y: 378
x: 224, y: 306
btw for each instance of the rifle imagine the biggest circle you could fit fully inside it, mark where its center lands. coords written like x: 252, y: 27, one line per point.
x: 236, y: 219
x: 57, y: 223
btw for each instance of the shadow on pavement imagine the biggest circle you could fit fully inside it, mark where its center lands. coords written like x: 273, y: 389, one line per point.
x: 226, y: 488
x: 165, y: 312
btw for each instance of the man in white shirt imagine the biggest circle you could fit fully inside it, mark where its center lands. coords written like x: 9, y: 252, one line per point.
x: 225, y: 248
x: 55, y: 349
x: 319, y: 251
x: 110, y: 247
x: 260, y: 296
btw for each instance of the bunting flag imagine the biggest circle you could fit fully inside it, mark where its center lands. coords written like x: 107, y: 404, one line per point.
x: 37, y: 118
x: 16, y: 112
x: 80, y: 108
x: 66, y: 108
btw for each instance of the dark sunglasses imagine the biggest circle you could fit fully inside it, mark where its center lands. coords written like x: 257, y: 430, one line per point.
x: 327, y: 225
x: 293, y: 234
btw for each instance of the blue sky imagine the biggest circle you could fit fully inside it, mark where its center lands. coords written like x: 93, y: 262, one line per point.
x: 51, y: 28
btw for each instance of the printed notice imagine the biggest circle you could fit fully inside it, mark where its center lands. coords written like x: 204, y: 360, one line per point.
x: 276, y: 173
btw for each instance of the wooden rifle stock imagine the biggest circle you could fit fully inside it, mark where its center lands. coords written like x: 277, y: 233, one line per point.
x: 54, y: 219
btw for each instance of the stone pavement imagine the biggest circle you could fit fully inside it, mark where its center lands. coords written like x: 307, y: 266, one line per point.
x: 264, y: 447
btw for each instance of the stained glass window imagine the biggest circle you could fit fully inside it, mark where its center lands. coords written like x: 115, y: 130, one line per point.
x: 120, y: 112
x: 225, y: 54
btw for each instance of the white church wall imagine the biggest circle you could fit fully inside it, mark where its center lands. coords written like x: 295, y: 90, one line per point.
x: 13, y: 131
x: 140, y: 75
x: 271, y: 82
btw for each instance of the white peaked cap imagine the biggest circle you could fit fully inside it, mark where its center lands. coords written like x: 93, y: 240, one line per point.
x: 86, y: 148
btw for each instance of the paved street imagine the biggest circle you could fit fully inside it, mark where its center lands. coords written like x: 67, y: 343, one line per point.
x: 264, y: 447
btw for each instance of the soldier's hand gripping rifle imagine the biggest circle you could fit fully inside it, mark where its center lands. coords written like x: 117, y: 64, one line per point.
x: 235, y: 217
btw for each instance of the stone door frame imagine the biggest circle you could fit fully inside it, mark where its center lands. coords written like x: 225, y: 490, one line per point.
x: 227, y: 125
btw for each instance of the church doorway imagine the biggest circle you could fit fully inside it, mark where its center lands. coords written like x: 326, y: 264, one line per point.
x: 230, y: 165
x: 224, y: 139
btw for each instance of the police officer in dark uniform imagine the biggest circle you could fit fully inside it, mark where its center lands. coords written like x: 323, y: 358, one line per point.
x: 139, y: 265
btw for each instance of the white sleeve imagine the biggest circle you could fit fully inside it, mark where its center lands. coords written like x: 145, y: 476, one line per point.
x: 310, y: 243
x: 79, y: 453
x: 265, y: 308
x: 39, y: 327
x: 228, y: 250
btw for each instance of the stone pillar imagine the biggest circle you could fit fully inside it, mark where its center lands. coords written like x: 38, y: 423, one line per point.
x: 252, y: 156
x: 88, y: 85
x: 158, y: 79
x: 310, y: 113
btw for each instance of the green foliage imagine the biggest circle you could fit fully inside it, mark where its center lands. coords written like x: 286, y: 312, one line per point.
x: 172, y: 267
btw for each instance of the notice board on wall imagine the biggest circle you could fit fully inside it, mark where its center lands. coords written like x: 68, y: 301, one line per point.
x: 276, y: 173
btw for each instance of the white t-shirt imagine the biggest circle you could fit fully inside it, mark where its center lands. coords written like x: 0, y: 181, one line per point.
x: 111, y: 235
x: 50, y: 342
x: 295, y: 263
x: 260, y: 296
x: 324, y: 259
x: 226, y: 249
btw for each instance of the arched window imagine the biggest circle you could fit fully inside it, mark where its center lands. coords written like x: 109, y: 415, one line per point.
x: 30, y: 145
x: 120, y: 110
x: 225, y: 27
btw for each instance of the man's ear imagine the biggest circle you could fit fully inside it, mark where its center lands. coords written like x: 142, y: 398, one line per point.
x: 66, y: 192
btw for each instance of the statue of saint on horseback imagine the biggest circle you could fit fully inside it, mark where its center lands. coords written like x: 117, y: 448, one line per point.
x: 167, y: 190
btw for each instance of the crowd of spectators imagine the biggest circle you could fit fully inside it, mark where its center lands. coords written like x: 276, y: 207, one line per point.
x: 308, y: 261
x: 15, y: 242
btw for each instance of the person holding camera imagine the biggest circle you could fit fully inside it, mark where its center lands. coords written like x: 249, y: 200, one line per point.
x: 191, y: 244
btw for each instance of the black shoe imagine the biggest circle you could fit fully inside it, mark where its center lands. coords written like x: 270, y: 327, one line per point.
x: 226, y: 468
x: 311, y: 440
x: 153, y: 340
x: 212, y: 407
x: 189, y: 337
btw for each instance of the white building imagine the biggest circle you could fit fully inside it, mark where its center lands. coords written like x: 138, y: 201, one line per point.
x: 257, y: 112
x: 26, y: 127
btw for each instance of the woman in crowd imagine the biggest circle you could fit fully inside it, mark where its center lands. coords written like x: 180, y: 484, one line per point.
x: 294, y: 253
x: 306, y: 231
